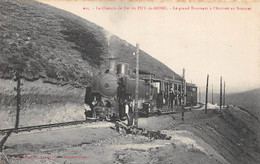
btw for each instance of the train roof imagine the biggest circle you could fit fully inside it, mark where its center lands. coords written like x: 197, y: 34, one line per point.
x: 191, y: 85
x: 166, y: 80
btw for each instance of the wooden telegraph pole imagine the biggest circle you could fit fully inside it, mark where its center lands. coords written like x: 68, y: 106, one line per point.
x: 199, y: 95
x: 18, y: 99
x: 185, y: 91
x: 224, y: 96
x: 18, y: 105
x: 212, y: 99
x: 220, y: 93
x: 206, y: 103
x: 150, y: 91
x: 136, y: 85
x: 183, y: 94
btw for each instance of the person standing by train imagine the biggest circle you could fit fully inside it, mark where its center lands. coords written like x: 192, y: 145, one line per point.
x: 89, y: 98
x: 108, y: 108
x: 121, y: 96
x: 129, y: 111
x: 160, y: 101
x: 172, y: 98
x: 87, y: 111
x: 176, y: 98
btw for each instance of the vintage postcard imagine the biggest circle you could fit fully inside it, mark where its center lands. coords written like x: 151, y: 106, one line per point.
x: 130, y: 81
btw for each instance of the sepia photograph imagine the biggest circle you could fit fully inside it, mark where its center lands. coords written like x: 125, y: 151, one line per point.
x: 129, y: 81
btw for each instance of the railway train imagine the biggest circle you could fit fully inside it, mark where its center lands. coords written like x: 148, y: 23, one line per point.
x: 112, y: 94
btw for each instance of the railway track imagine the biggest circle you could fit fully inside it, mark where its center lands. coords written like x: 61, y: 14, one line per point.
x: 45, y: 126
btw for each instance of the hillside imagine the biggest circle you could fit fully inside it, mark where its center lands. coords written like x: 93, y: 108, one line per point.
x: 249, y: 100
x: 51, y: 46
x: 47, y: 43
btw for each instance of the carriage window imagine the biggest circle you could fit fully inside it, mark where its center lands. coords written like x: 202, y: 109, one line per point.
x: 179, y: 88
x: 175, y: 87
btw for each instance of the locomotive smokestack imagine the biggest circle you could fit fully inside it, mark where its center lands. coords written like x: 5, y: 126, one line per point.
x: 112, y: 61
x: 112, y: 64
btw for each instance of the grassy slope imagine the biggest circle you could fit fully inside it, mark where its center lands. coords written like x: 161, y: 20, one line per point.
x: 248, y: 100
x: 232, y: 133
x: 58, y: 46
x: 41, y: 103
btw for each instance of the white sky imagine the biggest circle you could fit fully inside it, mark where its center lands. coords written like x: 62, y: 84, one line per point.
x: 218, y: 43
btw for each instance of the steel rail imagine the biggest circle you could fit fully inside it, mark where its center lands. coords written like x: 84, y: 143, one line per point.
x: 45, y: 126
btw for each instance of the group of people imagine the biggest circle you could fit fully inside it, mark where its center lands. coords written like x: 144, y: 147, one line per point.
x: 94, y: 105
x: 174, y: 99
x: 89, y: 108
x: 126, y: 111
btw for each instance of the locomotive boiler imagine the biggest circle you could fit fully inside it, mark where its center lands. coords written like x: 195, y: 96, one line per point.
x: 118, y: 88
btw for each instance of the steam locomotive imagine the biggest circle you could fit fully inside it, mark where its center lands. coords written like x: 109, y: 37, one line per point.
x: 111, y: 92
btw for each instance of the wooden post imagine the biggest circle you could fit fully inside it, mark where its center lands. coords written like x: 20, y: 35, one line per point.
x: 199, y: 95
x: 150, y: 85
x: 168, y: 95
x: 150, y: 93
x: 18, y: 99
x: 224, y: 96
x: 177, y: 96
x: 183, y: 94
x: 136, y: 85
x: 220, y: 99
x: 212, y: 98
x: 2, y: 142
x: 18, y: 105
x: 206, y: 103
x: 184, y: 89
